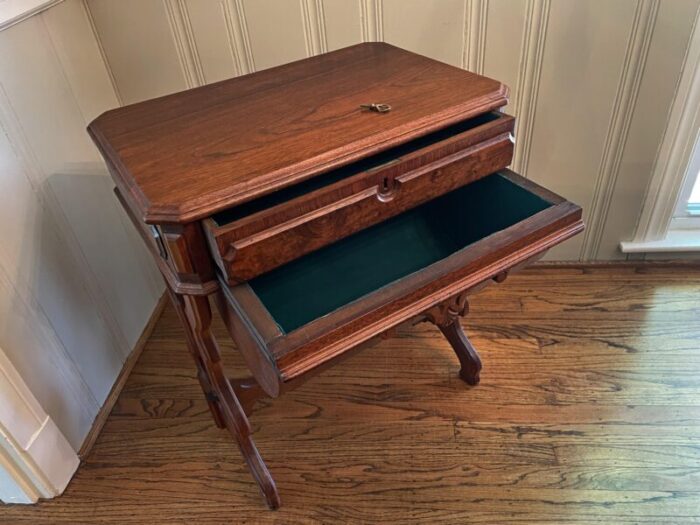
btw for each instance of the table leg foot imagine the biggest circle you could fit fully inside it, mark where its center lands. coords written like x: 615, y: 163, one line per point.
x: 446, y: 317
x: 258, y: 469
x: 466, y: 353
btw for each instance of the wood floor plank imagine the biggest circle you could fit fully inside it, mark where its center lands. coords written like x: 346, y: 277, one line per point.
x: 588, y: 413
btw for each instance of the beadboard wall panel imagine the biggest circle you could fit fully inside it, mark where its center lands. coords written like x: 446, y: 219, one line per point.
x: 669, y: 40
x: 139, y: 47
x: 26, y: 333
x: 502, y: 48
x: 342, y: 23
x: 433, y: 28
x: 211, y: 39
x: 45, y: 128
x: 74, y: 271
x: 270, y: 22
x: 74, y: 43
x: 581, y: 66
x: 591, y: 82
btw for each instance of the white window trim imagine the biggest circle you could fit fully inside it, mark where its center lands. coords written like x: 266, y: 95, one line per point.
x: 657, y: 231
x: 690, y: 180
x: 14, y: 11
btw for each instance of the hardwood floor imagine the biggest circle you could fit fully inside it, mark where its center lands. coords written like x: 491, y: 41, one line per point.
x: 588, y: 411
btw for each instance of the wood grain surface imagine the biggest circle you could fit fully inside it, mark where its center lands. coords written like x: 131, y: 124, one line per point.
x: 188, y: 155
x: 261, y: 241
x: 588, y: 412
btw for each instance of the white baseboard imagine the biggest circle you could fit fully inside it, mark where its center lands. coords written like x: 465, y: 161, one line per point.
x: 36, y: 460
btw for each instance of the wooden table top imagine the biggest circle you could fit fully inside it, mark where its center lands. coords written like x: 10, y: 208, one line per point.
x: 185, y: 156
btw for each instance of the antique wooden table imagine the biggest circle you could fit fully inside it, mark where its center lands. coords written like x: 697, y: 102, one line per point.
x: 322, y: 203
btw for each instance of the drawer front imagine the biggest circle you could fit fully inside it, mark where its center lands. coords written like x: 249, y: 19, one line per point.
x: 255, y: 244
x: 326, y: 303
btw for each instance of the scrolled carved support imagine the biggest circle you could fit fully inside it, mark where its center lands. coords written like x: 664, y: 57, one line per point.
x: 446, y: 317
x: 448, y: 311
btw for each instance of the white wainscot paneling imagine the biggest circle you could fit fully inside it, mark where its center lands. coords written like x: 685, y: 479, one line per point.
x: 581, y: 67
x: 669, y: 41
x: 434, y: 28
x: 211, y: 33
x: 343, y: 24
x: 505, y: 21
x: 26, y: 333
x: 73, y: 268
x: 276, y: 31
x: 138, y: 43
x: 44, y: 126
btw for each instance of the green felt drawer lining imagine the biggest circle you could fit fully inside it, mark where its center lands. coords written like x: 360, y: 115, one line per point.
x: 322, y: 281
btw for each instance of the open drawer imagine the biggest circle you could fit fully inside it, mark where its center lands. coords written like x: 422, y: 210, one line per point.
x: 260, y: 235
x: 298, y: 316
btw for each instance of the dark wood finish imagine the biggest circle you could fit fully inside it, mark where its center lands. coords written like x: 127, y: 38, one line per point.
x: 180, y: 160
x: 260, y: 242
x: 188, y: 259
x: 466, y: 353
x: 227, y: 410
x: 437, y: 293
x: 182, y: 283
x: 588, y: 416
x: 326, y: 338
x: 247, y: 318
x: 185, y: 247
x: 248, y: 392
x: 186, y: 156
x: 446, y: 317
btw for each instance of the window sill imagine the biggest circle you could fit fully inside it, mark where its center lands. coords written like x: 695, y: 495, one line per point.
x: 677, y: 240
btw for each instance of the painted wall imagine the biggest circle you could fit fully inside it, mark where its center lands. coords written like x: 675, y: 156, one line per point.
x: 76, y: 286
x: 591, y: 81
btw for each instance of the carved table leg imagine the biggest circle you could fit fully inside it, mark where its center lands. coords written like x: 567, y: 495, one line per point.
x: 222, y: 398
x: 467, y: 355
x: 446, y: 317
x: 190, y: 278
x: 201, y: 371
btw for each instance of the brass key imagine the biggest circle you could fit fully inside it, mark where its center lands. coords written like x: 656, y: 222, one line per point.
x: 378, y: 108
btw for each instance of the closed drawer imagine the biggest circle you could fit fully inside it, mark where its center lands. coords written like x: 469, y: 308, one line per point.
x: 313, y: 309
x: 253, y: 238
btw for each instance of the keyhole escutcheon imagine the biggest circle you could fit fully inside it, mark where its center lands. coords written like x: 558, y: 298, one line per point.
x: 387, y: 189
